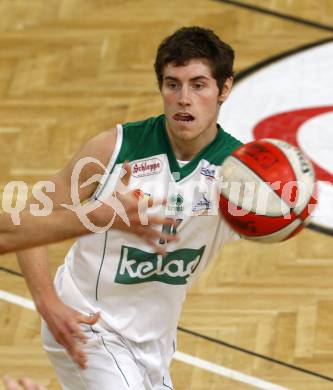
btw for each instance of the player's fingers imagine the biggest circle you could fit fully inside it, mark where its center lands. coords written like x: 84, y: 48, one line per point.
x: 28, y: 384
x: 90, y: 320
x: 68, y: 341
x: 138, y: 193
x: 158, y: 248
x: 139, y: 201
x: 165, y: 237
x: 10, y: 383
x: 157, y: 202
x: 145, y: 202
x: 76, y: 331
x: 159, y: 235
x: 78, y: 356
x: 153, y: 238
x: 127, y: 174
x: 158, y: 220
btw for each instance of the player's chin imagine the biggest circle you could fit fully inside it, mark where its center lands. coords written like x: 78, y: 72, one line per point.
x: 185, y: 126
x: 187, y: 135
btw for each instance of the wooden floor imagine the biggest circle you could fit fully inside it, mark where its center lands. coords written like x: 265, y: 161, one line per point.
x: 72, y: 68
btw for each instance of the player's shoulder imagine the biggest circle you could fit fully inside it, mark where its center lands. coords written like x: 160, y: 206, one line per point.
x: 145, y: 124
x: 223, y: 145
x: 105, y: 139
x: 143, y: 129
x: 142, y: 139
x: 100, y: 147
x: 129, y: 136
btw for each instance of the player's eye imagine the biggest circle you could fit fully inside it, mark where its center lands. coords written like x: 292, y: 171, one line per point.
x: 198, y: 86
x: 172, y: 85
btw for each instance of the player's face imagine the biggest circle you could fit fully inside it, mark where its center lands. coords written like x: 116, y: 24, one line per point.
x: 191, y: 101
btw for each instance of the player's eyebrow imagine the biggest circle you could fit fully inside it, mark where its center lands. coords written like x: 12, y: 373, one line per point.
x: 196, y: 78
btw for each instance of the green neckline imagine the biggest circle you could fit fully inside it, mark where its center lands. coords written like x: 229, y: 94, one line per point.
x: 191, y: 165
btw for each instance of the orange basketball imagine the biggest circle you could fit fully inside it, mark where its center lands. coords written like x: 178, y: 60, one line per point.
x: 267, y: 191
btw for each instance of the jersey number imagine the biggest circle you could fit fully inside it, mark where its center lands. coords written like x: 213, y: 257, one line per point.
x: 170, y: 229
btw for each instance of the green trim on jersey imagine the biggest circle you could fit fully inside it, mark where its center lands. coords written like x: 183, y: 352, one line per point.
x: 149, y: 138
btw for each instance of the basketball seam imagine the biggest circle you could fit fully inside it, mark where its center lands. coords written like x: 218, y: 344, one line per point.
x: 268, y: 140
x: 297, y: 176
x: 263, y: 237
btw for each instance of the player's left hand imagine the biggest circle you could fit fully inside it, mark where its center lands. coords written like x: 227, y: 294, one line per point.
x: 23, y: 384
x: 132, y: 215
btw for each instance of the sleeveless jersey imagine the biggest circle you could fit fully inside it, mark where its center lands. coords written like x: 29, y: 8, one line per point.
x: 138, y: 292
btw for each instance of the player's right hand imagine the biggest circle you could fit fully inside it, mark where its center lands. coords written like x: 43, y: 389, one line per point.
x: 64, y: 324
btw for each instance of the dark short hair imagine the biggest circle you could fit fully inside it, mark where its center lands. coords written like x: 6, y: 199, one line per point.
x: 189, y: 43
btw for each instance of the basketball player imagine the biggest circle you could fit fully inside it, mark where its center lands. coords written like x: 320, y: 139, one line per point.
x: 116, y: 301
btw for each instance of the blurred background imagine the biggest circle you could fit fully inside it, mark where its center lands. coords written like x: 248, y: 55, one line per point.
x: 70, y: 69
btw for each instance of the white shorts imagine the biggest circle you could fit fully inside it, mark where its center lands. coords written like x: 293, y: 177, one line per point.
x: 114, y: 363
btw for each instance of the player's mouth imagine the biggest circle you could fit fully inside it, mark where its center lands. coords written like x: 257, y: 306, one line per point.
x: 183, y: 117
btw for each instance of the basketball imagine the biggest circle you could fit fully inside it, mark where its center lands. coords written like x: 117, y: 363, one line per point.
x: 267, y: 190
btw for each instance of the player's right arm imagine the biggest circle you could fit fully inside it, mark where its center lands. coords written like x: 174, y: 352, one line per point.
x: 62, y: 320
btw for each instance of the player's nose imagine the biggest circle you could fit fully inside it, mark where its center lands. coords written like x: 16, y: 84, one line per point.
x: 184, y: 96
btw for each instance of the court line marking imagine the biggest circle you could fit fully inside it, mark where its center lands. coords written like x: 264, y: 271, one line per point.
x: 180, y: 356
x: 287, y: 17
x: 17, y: 300
x: 227, y: 372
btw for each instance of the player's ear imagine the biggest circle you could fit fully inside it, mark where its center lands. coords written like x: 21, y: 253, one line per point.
x: 227, y: 86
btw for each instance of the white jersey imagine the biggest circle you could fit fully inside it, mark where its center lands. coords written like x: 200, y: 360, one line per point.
x: 138, y: 292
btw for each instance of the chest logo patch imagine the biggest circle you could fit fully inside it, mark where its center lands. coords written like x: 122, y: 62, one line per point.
x: 209, y: 172
x: 137, y: 266
x: 147, y: 167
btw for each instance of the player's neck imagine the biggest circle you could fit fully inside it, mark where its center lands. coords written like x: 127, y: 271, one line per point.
x: 187, y: 149
x: 183, y: 151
